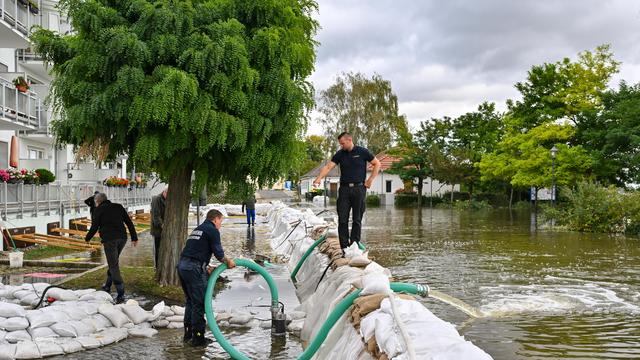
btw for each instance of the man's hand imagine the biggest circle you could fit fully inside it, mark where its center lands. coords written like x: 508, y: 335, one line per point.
x: 367, y: 183
x: 134, y: 243
x: 210, y: 269
x: 230, y: 263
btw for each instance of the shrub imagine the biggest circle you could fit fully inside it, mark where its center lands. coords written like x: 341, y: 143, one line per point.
x: 373, y: 200
x: 457, y: 195
x: 472, y: 205
x: 405, y: 200
x: 45, y: 176
x: 522, y: 205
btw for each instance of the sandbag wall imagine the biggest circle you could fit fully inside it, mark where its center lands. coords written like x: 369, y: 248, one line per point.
x: 77, y: 320
x: 370, y: 329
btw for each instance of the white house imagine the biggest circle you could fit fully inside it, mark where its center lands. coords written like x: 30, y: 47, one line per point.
x: 332, y: 180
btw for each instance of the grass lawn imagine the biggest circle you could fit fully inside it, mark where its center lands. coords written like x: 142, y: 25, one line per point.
x: 43, y: 252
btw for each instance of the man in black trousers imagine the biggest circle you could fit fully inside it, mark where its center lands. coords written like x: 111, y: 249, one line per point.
x: 353, y: 186
x: 110, y: 218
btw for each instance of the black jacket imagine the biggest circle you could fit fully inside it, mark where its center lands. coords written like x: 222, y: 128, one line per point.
x: 110, y: 218
x: 158, y: 204
x: 91, y: 203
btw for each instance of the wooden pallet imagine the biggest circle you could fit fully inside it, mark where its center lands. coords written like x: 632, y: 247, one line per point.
x: 58, y: 241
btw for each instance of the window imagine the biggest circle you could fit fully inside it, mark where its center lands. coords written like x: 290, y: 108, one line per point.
x: 35, y: 153
x: 388, y: 188
x: 4, y: 154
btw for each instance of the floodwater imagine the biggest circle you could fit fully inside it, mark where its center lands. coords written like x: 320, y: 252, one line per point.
x: 546, y: 294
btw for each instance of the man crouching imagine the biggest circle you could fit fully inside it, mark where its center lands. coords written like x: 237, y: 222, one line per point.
x: 193, y: 270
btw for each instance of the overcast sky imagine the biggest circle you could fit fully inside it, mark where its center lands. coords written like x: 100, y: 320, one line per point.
x: 446, y: 57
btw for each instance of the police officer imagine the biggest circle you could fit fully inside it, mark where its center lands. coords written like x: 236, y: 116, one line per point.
x: 353, y: 186
x: 193, y: 269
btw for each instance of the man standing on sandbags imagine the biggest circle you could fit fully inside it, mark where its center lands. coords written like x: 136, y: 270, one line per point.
x: 109, y: 219
x: 158, y: 204
x: 353, y: 186
x: 250, y: 205
x: 193, y: 270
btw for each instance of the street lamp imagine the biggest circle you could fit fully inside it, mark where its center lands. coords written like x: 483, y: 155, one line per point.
x: 554, y: 152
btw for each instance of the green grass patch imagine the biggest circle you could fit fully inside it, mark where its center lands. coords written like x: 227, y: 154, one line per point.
x: 44, y: 252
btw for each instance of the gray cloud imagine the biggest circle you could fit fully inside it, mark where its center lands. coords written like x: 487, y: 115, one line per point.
x: 445, y: 57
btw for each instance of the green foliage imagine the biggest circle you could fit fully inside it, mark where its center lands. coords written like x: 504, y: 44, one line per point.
x: 373, y: 200
x: 474, y: 205
x: 367, y: 108
x: 406, y: 199
x: 45, y: 176
x: 215, y: 86
x: 522, y: 205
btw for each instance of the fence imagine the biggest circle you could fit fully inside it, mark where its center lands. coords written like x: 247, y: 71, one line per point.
x: 20, y: 200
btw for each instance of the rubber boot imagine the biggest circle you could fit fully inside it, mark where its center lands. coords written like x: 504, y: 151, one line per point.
x: 106, y: 289
x: 198, y: 338
x: 188, y: 334
x: 120, y: 298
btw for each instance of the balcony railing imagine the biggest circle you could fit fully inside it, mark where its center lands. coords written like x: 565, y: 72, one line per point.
x: 16, y: 13
x: 20, y: 108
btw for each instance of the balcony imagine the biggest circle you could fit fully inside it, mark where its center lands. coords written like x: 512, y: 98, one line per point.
x: 18, y: 110
x: 16, y: 19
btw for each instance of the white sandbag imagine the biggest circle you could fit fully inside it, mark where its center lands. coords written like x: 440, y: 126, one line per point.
x: 389, y: 340
x: 88, y: 342
x: 83, y: 292
x: 135, y: 313
x: 117, y: 317
x: 7, y: 351
x: 167, y: 312
x: 90, y: 308
x: 374, y: 267
x: 240, y: 319
x: 68, y: 345
x: 2, y: 335
x: 8, y: 310
x: 97, y: 296
x: 49, y: 348
x: 38, y: 318
x: 42, y: 333
x: 175, y: 325
x: 64, y: 329
x: 142, y: 332
x: 23, y: 293
x: 156, y: 312
x: 82, y: 328
x: 177, y: 310
x: 360, y: 260
x: 160, y: 323
x: 144, y: 325
x: 62, y: 294
x: 265, y: 324
x: 111, y: 335
x: 100, y: 322
x: 368, y: 323
x: 17, y: 336
x: 175, y: 318
x: 128, y: 325
x: 297, y: 315
x: 27, y: 350
x: 223, y: 316
x: 375, y: 283
x: 296, y: 326
x: 14, y: 323
x: 30, y: 300
x: 75, y: 313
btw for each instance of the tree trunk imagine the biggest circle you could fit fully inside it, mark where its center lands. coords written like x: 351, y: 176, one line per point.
x: 453, y: 186
x: 511, y: 198
x: 174, y: 231
x: 470, y: 192
x: 420, y: 183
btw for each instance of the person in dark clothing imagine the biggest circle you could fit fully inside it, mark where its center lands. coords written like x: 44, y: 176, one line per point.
x: 110, y: 220
x: 250, y: 205
x: 91, y: 203
x: 158, y: 205
x: 193, y: 269
x: 353, y: 186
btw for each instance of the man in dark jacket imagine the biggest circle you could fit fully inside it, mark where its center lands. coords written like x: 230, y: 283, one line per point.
x: 250, y: 205
x: 91, y: 202
x: 193, y: 269
x: 158, y: 205
x: 109, y: 219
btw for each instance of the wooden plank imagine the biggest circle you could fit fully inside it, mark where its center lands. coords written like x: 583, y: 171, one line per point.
x: 70, y: 231
x: 57, y: 244
x: 52, y: 239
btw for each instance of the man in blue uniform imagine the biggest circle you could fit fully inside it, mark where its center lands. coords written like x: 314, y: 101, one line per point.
x: 193, y: 270
x: 353, y: 186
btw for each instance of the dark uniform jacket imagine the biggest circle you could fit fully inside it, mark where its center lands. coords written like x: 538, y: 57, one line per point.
x: 110, y: 218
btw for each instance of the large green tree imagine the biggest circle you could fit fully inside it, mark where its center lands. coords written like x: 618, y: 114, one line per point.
x: 365, y: 107
x: 212, y: 86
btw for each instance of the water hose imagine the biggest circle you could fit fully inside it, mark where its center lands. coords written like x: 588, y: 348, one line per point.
x: 306, y: 255
x: 313, y: 347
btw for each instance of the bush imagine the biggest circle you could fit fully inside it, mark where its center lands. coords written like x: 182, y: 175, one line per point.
x: 522, y: 205
x: 373, y: 200
x: 45, y: 176
x: 492, y: 199
x: 472, y: 205
x: 435, y: 200
x: 457, y: 195
x: 405, y: 200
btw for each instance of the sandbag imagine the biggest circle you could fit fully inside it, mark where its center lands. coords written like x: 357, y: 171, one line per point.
x: 239, y: 319
x: 88, y: 342
x: 62, y: 294
x: 2, y: 335
x: 27, y: 350
x: 175, y: 318
x: 82, y: 328
x: 38, y: 318
x: 117, y: 317
x: 83, y: 292
x: 297, y: 315
x: 360, y: 260
x: 111, y: 335
x: 156, y: 312
x: 167, y: 312
x: 75, y: 313
x: 100, y: 322
x: 7, y: 351
x: 64, y: 329
x: 23, y: 293
x: 142, y: 332
x: 49, y: 348
x: 375, y: 283
x: 160, y: 323
x: 54, y: 314
x: 177, y: 310
x: 8, y: 310
x: 175, y: 325
x: 42, y: 333
x: 17, y: 336
x: 99, y: 296
x: 68, y: 345
x: 15, y: 323
x: 89, y: 308
x: 135, y: 313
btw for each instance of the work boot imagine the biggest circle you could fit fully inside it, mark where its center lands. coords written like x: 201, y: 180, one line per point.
x: 188, y: 334
x: 120, y: 297
x: 106, y: 289
x: 198, y: 339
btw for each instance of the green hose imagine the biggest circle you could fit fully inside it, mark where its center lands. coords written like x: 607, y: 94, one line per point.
x: 306, y: 255
x: 313, y: 347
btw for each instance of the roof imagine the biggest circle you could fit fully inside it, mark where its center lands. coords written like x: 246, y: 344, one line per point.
x: 386, y: 161
x: 313, y: 173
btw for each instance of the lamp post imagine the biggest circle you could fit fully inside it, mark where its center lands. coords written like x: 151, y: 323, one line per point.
x: 554, y: 152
